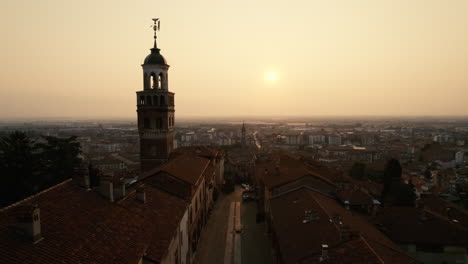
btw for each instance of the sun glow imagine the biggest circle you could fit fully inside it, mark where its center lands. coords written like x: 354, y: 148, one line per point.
x: 271, y: 76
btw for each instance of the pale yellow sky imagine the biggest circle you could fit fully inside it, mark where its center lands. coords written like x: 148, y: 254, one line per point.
x: 63, y: 58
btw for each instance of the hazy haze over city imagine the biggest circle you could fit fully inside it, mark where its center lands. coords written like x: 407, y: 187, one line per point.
x: 301, y: 58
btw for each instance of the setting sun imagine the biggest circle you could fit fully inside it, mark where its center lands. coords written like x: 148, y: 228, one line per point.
x: 270, y: 76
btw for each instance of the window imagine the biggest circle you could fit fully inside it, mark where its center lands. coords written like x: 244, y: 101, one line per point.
x: 142, y: 100
x: 163, y: 100
x: 145, y: 81
x: 146, y: 123
x: 148, y: 100
x: 153, y: 81
x: 159, y: 123
x: 160, y: 81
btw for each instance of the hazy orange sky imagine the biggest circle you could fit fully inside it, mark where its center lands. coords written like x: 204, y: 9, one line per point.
x: 63, y: 58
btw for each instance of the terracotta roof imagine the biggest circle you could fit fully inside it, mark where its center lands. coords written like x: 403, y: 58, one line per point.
x: 202, y: 151
x: 285, y: 169
x: 186, y: 167
x: 298, y: 240
x: 170, y: 184
x: 354, y: 196
x: 295, y: 238
x: 416, y: 225
x: 349, y: 252
x: 445, y: 209
x: 80, y: 226
x: 160, y: 216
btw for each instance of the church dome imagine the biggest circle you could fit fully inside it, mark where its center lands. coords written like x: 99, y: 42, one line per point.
x: 155, y: 58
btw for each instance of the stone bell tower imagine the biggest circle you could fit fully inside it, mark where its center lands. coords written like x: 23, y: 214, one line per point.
x: 155, y: 108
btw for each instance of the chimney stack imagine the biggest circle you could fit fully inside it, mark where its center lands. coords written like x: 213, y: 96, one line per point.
x: 82, y: 175
x: 30, y: 222
x: 324, y: 255
x: 140, y: 193
x: 119, y: 190
x: 107, y: 187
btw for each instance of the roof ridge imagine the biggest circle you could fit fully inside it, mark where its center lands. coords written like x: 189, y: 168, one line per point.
x: 318, y: 175
x: 298, y: 188
x: 444, y: 218
x: 323, y: 208
x: 370, y: 247
x: 35, y: 195
x: 449, y: 204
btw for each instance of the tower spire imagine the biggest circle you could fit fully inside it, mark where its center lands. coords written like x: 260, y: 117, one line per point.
x: 156, y: 27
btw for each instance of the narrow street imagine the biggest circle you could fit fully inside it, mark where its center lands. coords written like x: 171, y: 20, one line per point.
x: 255, y: 246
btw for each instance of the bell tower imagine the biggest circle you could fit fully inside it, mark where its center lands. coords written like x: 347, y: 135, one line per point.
x: 155, y: 109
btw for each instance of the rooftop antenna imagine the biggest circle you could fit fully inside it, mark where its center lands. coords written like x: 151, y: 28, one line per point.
x: 156, y: 27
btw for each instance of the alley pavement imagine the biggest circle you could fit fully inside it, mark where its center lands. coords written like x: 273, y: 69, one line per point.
x: 255, y: 244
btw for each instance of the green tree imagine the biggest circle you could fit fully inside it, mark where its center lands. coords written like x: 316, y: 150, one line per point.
x: 27, y: 168
x: 396, y: 192
x: 59, y: 158
x: 18, y: 165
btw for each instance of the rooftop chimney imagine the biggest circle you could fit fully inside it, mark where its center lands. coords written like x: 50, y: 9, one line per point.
x: 324, y: 255
x: 107, y: 187
x: 82, y: 175
x: 119, y: 190
x: 30, y: 222
x: 140, y: 193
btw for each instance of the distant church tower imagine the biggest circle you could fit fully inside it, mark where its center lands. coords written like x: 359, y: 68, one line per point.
x: 243, y: 141
x: 155, y: 108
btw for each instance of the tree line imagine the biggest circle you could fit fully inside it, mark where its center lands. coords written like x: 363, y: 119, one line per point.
x: 395, y: 191
x: 29, y: 166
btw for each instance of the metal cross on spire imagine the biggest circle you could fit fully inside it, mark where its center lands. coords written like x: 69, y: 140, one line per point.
x: 156, y: 27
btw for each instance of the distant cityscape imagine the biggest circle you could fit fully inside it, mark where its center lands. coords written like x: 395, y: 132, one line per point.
x: 439, y: 145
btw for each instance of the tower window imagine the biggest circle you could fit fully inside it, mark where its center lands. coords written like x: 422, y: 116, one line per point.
x: 145, y: 81
x: 160, y: 81
x: 163, y: 100
x: 153, y: 81
x: 156, y: 100
x: 148, y: 100
x: 146, y: 123
x: 159, y: 123
x: 142, y: 100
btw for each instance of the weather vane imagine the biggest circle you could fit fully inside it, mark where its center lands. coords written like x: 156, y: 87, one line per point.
x: 156, y: 27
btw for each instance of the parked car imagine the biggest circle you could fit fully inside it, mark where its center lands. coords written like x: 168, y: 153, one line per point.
x: 249, y: 196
